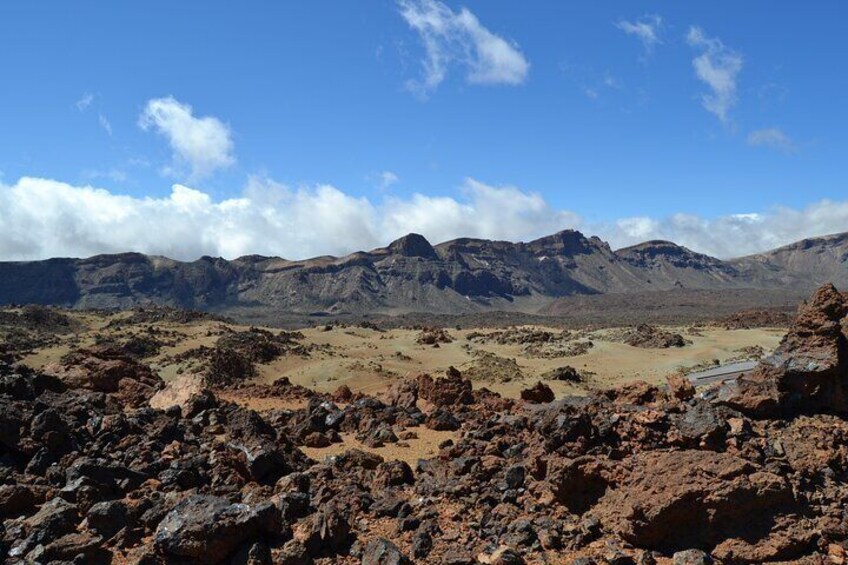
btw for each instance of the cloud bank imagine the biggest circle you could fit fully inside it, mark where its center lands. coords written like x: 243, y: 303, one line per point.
x: 41, y: 218
x: 458, y: 38
x: 204, y: 145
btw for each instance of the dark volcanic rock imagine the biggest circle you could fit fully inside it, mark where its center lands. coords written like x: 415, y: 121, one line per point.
x: 651, y: 337
x: 383, y: 552
x: 539, y: 393
x: 207, y: 528
x: 636, y: 474
x: 692, y: 557
x: 414, y: 245
x: 329, y: 533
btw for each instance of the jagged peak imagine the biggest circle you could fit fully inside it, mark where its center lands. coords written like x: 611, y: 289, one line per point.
x: 413, y: 245
x: 568, y: 242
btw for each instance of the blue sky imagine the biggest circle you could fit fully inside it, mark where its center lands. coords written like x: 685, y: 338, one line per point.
x: 699, y: 122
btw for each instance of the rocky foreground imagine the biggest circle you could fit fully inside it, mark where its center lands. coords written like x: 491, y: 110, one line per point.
x: 751, y: 471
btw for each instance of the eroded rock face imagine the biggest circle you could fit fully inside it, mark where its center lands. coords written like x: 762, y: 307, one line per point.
x: 808, y: 372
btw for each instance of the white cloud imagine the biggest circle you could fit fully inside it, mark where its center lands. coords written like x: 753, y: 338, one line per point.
x: 772, y: 138
x: 85, y: 102
x: 733, y: 235
x: 718, y: 67
x: 42, y: 218
x: 387, y: 179
x: 611, y: 82
x: 204, y: 144
x: 105, y: 123
x: 646, y: 29
x: 486, y: 211
x: 459, y: 38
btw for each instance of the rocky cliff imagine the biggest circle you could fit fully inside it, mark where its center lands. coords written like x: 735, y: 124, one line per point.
x: 409, y: 275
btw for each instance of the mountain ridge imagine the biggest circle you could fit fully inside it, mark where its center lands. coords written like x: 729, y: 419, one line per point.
x: 410, y: 274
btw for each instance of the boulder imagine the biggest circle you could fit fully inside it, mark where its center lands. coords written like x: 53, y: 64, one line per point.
x: 394, y: 473
x: 328, y: 533
x: 539, y: 393
x: 404, y: 394
x: 108, y: 370
x: 692, y: 557
x: 380, y: 551
x: 206, y: 528
x: 680, y: 387
x: 442, y: 420
x: 450, y: 390
x: 178, y: 391
x: 671, y: 501
x: 808, y: 373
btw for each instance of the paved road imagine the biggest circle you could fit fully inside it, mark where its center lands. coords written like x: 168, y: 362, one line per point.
x: 721, y: 373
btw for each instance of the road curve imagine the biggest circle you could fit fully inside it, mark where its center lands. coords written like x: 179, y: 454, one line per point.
x: 721, y: 373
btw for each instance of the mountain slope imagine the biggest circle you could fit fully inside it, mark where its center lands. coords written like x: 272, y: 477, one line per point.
x: 410, y: 274
x: 818, y: 260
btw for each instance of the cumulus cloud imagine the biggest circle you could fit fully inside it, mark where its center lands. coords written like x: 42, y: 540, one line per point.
x: 772, y: 138
x: 458, y: 38
x: 718, y: 67
x: 41, y: 218
x: 203, y: 145
x: 646, y: 29
x: 485, y: 211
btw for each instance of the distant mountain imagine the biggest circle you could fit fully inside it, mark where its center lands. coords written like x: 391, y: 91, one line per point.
x: 810, y: 262
x: 411, y: 275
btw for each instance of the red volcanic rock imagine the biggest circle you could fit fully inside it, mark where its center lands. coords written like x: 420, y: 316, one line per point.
x: 450, y: 390
x: 103, y: 369
x: 631, y: 475
x: 680, y: 387
x: 636, y: 392
x: 809, y: 370
x: 404, y: 394
x: 342, y: 394
x: 672, y: 501
x: 748, y: 319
